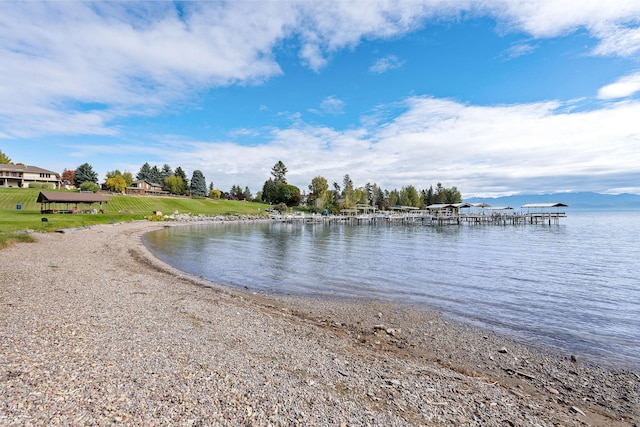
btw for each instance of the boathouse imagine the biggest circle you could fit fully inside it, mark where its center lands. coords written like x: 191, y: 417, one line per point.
x: 544, y: 212
x: 71, y: 202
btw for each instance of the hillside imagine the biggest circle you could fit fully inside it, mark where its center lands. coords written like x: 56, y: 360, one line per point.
x: 576, y: 201
x: 120, y: 208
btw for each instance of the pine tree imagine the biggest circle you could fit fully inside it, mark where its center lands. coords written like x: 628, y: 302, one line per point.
x: 198, y: 184
x: 279, y: 172
x: 181, y: 174
x: 85, y: 173
x: 144, y: 174
x: 4, y: 160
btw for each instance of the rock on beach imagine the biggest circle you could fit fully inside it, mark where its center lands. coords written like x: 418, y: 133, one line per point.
x: 94, y: 330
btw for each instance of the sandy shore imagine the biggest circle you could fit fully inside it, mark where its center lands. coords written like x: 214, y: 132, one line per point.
x: 94, y: 330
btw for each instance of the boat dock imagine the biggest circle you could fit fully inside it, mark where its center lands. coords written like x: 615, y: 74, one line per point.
x: 439, y: 214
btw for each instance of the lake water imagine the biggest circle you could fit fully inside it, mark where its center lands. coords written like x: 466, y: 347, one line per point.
x: 573, y: 286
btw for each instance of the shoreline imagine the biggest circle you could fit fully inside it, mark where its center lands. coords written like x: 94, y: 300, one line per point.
x: 97, y: 329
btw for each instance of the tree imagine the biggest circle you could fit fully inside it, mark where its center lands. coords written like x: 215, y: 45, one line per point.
x: 165, y: 172
x: 278, y: 172
x: 4, y: 160
x: 67, y: 177
x: 89, y: 186
x: 198, y: 184
x: 347, y: 191
x: 394, y: 198
x: 155, y: 175
x: 85, y: 173
x: 287, y: 194
x: 181, y: 174
x: 214, y: 193
x: 175, y: 185
x: 128, y: 177
x: 116, y: 183
x: 318, y: 192
x: 428, y: 197
x: 144, y: 174
x: 247, y: 193
x: 236, y: 193
x: 453, y: 195
x: 269, y: 191
x: 409, y: 196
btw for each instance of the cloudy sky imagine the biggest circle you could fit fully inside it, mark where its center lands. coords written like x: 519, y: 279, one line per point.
x: 495, y: 97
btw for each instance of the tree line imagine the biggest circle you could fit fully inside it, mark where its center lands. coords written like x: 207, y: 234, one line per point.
x: 276, y: 190
x: 335, y: 198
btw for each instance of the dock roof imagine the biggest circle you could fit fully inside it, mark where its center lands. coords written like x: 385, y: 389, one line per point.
x: 70, y: 197
x: 544, y: 205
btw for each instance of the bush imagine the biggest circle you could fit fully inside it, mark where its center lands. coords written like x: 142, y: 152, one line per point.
x: 89, y: 186
x: 281, y: 207
x: 42, y: 185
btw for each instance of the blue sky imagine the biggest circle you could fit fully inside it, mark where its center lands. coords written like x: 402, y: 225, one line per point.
x: 494, y: 97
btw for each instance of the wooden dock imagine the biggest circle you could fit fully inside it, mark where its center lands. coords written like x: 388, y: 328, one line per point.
x: 438, y: 215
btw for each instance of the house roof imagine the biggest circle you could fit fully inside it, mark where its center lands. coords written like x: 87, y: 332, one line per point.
x: 26, y: 169
x: 70, y: 197
x: 155, y: 184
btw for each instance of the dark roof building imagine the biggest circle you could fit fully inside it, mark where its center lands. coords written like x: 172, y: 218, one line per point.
x: 72, y: 201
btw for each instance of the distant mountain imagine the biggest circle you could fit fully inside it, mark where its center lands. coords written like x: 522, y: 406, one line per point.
x: 577, y: 201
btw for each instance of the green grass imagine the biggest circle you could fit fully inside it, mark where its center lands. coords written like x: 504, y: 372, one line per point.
x: 119, y: 209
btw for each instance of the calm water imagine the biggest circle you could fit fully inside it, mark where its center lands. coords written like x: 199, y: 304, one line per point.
x: 573, y: 286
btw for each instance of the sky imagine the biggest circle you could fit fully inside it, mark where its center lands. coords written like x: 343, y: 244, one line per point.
x: 494, y: 97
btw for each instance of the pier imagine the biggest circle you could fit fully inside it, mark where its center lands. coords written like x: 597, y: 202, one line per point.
x: 439, y: 215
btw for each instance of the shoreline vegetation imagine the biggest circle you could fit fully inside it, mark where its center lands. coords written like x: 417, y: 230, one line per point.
x: 94, y: 329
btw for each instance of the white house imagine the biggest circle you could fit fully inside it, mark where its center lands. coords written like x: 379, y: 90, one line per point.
x: 20, y: 175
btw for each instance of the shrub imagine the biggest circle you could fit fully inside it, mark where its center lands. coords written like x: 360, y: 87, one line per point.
x: 281, y: 207
x: 89, y: 186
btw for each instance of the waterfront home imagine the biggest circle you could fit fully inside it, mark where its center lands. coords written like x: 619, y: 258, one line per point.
x: 20, y: 176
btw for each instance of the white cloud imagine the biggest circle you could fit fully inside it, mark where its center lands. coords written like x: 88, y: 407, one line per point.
x: 138, y: 58
x: 332, y: 105
x: 624, y: 87
x: 488, y: 150
x: 618, y: 41
x: 518, y: 50
x: 382, y: 65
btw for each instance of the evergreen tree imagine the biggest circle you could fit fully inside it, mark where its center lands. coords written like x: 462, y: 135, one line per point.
x: 165, y: 172
x: 181, y: 174
x: 348, y: 191
x: 85, y: 173
x: 198, y: 184
x: 429, y: 197
x: 279, y: 172
x: 269, y: 191
x: 247, y: 193
x: 4, y: 160
x: 155, y: 176
x: 144, y: 174
x: 236, y: 193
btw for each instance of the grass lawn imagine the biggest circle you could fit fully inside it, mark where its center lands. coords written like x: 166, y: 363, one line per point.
x: 120, y: 208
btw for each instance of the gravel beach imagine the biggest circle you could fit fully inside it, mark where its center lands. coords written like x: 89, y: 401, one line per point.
x: 94, y: 330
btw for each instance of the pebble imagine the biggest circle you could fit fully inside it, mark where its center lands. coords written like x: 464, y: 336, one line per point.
x: 136, y: 343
